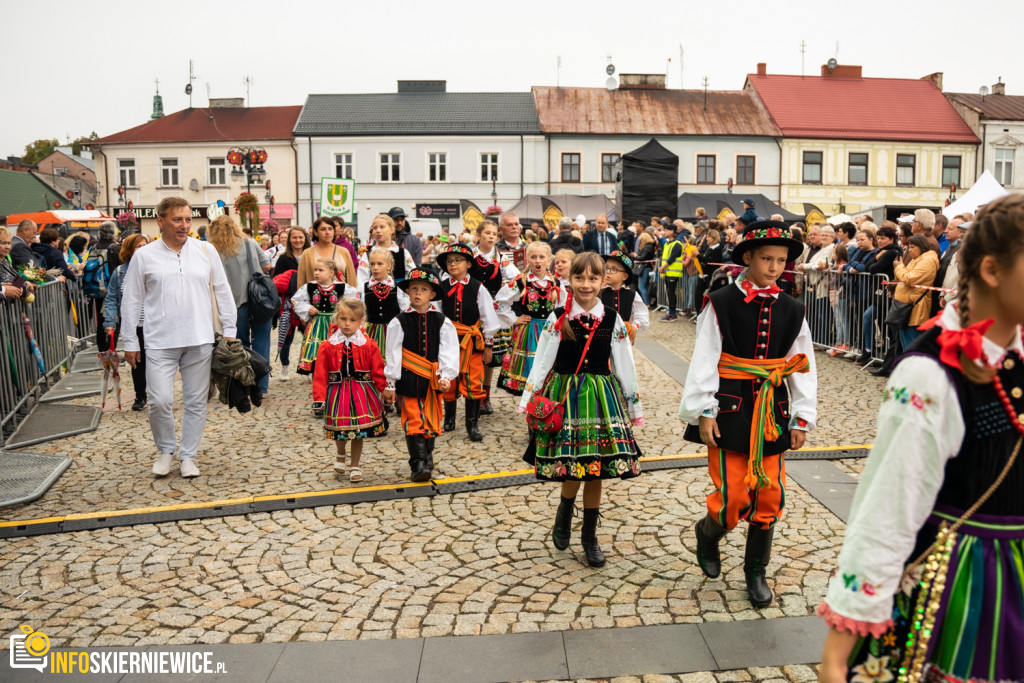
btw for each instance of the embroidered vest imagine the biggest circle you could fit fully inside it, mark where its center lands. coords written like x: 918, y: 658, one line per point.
x: 422, y: 336
x: 619, y: 300
x: 598, y: 359
x: 380, y: 310
x: 467, y: 312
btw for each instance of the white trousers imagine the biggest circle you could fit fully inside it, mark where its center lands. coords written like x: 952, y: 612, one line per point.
x: 161, y: 366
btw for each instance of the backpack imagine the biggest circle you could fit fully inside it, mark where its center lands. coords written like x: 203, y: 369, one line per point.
x: 95, y: 275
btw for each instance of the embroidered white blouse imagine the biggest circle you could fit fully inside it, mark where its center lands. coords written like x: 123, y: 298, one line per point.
x: 403, y: 298
x: 397, y: 252
x: 702, y: 377
x: 447, y: 354
x: 301, y: 303
x: 621, y: 359
x: 920, y: 427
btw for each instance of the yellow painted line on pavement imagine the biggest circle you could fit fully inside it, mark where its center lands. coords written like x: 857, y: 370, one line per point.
x: 332, y: 492
x: 43, y: 520
x: 156, y: 508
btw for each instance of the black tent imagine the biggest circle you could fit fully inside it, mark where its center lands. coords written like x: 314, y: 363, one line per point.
x: 718, y: 204
x: 647, y: 182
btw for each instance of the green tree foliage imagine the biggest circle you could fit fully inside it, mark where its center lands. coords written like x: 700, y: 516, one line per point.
x: 38, y: 150
x: 76, y: 144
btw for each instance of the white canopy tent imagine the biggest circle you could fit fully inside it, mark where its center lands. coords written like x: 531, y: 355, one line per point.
x: 984, y: 190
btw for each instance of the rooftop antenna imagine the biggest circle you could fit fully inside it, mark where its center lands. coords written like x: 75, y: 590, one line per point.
x: 668, y: 65
x: 837, y: 50
x: 705, y: 83
x: 558, y: 72
x: 248, y: 83
x: 188, y: 86
x: 682, y: 62
x: 803, y: 51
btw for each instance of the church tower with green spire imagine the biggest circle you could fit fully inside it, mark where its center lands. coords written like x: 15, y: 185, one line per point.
x: 158, y: 104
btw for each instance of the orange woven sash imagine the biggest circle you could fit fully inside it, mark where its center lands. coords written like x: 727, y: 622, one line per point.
x: 421, y: 367
x: 471, y: 340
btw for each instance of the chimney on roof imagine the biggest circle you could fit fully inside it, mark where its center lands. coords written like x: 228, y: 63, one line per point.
x: 762, y: 69
x: 999, y: 88
x: 641, y: 81
x: 224, y: 102
x: 841, y: 71
x: 422, y: 86
x: 935, y: 78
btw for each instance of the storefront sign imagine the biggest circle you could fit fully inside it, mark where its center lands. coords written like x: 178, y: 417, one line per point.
x: 280, y: 211
x: 144, y: 212
x: 337, y: 197
x: 438, y: 211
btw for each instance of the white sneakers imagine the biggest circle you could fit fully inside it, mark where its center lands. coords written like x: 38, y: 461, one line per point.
x: 284, y: 373
x: 189, y: 469
x: 162, y: 466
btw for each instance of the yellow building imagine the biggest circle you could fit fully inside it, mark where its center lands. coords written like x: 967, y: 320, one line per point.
x: 852, y: 144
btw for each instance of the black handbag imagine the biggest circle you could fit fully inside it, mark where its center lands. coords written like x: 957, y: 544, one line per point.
x: 264, y: 301
x: 899, y: 312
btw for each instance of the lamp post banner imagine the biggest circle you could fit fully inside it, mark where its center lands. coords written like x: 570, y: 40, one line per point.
x: 337, y: 197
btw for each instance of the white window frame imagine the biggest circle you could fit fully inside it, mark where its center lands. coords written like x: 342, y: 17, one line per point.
x: 134, y: 173
x: 999, y: 165
x: 351, y: 164
x: 696, y: 167
x: 736, y: 168
x: 440, y: 164
x: 896, y: 178
x: 222, y: 168
x: 380, y: 164
x: 600, y: 165
x: 176, y: 168
x: 561, y: 164
x: 481, y: 163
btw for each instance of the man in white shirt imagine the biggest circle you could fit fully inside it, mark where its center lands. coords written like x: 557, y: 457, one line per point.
x: 173, y: 278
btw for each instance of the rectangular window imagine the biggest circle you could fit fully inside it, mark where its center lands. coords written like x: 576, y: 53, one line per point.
x: 488, y: 166
x: 706, y: 169
x: 1004, y: 166
x: 343, y: 165
x: 169, y: 173
x: 390, y: 165
x: 905, y: 164
x: 858, y: 173
x: 217, y: 172
x: 950, y: 171
x: 437, y: 167
x: 608, y: 161
x: 812, y: 168
x: 126, y: 171
x: 570, y: 167
x: 744, y: 170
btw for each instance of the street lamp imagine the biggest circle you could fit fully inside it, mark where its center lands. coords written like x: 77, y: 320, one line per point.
x: 252, y: 159
x: 494, y: 189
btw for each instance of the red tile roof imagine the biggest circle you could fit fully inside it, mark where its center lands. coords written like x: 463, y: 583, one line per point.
x: 225, y: 124
x: 900, y: 109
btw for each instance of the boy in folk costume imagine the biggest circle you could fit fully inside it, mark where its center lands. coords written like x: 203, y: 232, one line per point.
x: 468, y: 304
x: 617, y: 295
x: 750, y: 395
x: 422, y: 360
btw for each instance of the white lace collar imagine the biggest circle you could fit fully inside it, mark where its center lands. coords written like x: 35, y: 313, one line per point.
x: 357, y: 339
x: 597, y: 312
x: 390, y: 282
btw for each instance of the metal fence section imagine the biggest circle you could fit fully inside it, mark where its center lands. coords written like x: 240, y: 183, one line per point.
x: 60, y: 314
x: 846, y: 312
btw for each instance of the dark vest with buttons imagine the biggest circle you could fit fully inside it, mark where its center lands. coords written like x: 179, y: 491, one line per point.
x: 619, y: 300
x: 467, y: 312
x: 423, y: 336
x: 380, y: 311
x: 489, y: 274
x: 398, y: 272
x: 321, y: 299
x: 989, y: 437
x: 539, y: 308
x: 597, y: 361
x: 764, y: 328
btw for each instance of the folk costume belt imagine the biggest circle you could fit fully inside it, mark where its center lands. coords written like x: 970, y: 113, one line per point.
x: 421, y: 367
x: 773, y: 371
x: 471, y: 340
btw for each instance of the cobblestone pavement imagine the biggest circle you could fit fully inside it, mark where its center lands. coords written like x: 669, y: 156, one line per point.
x: 767, y: 674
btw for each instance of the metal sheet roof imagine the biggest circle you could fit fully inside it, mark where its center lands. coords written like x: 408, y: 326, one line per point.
x: 598, y: 111
x: 995, y: 107
x: 23, y: 192
x: 419, y: 113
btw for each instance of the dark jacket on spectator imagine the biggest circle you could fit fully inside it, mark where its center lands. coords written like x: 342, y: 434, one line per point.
x: 566, y: 240
x: 884, y: 260
x: 646, y: 253
x: 53, y: 259
x: 22, y: 254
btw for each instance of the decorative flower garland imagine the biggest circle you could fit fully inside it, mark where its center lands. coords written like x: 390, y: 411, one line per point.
x: 126, y: 220
x: 248, y: 209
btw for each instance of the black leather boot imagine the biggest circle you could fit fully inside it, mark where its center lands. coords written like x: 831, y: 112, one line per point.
x: 709, y: 532
x: 430, y: 454
x: 485, y: 404
x: 417, y: 446
x: 595, y: 558
x: 472, y: 418
x: 563, y: 523
x: 449, y: 416
x: 755, y: 563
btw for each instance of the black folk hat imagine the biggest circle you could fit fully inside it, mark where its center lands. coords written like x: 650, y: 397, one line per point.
x: 765, y: 234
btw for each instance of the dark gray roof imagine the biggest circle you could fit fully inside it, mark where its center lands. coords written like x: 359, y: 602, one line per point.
x: 448, y: 113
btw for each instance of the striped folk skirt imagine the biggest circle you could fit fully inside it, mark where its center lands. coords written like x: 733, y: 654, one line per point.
x: 316, y: 334
x: 377, y: 332
x: 518, y: 361
x: 979, y: 627
x: 596, y: 440
x: 501, y: 345
x: 353, y: 409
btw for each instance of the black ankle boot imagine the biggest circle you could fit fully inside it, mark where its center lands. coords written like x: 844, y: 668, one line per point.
x: 563, y: 523
x: 709, y: 532
x: 472, y: 419
x: 595, y: 558
x: 430, y: 453
x: 755, y: 563
x: 449, y: 416
x: 417, y: 445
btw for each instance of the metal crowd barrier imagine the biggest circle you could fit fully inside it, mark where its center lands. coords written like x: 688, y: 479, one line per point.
x: 846, y: 312
x: 60, y: 313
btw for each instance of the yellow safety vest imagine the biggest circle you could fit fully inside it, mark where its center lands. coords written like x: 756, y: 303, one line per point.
x: 675, y: 269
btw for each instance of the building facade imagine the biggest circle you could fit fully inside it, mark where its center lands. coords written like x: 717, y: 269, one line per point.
x: 998, y: 119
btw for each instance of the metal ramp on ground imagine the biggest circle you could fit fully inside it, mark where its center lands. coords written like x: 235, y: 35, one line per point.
x: 49, y: 421
x: 73, y: 385
x: 26, y: 476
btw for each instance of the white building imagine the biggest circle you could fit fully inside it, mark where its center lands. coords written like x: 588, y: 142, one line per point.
x: 998, y: 119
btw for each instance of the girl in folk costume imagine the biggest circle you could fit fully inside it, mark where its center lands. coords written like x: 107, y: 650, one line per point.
x: 469, y: 306
x: 383, y: 299
x: 930, y: 585
x: 499, y: 276
x: 538, y: 297
x: 560, y: 270
x: 314, y: 304
x: 750, y: 395
x: 347, y: 385
x: 581, y: 402
x: 382, y: 236
x: 623, y: 300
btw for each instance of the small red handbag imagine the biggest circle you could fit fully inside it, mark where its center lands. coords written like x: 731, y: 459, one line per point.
x: 545, y: 415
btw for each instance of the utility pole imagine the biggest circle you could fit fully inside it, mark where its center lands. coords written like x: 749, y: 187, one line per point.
x: 705, y: 83
x: 682, y: 61
x: 188, y: 86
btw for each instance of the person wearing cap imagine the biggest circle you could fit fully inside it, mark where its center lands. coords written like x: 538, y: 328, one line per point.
x: 749, y: 215
x: 617, y: 296
x: 404, y: 236
x: 750, y: 395
x: 468, y: 304
x: 422, y: 361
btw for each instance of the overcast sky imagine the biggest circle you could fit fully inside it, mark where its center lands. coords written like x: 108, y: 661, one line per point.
x: 72, y: 67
